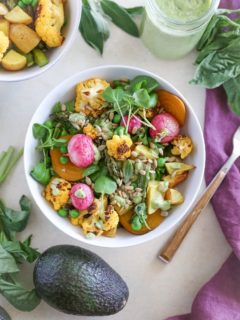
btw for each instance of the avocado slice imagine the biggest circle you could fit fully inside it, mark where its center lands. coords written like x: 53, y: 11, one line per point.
x: 155, y: 196
x: 77, y: 281
x: 174, y: 197
x: 178, y: 167
x: 147, y: 152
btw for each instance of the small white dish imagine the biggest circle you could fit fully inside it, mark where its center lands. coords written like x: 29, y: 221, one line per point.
x: 190, y: 188
x: 72, y: 13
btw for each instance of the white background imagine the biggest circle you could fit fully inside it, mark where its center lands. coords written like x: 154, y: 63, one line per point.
x: 156, y: 290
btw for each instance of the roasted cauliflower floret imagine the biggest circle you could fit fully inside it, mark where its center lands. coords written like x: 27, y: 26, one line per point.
x: 111, y: 219
x: 57, y: 192
x: 4, y: 44
x: 89, y: 98
x: 119, y: 147
x: 182, y: 146
x: 90, y: 131
x: 49, y: 22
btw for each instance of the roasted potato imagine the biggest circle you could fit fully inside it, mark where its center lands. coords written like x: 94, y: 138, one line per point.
x: 174, y: 197
x: 178, y: 167
x: 17, y: 15
x: 23, y: 37
x: 3, y: 9
x: 4, y: 26
x: 176, y: 179
x: 14, y: 61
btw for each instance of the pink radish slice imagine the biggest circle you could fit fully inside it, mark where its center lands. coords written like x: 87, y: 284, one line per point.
x: 166, y: 126
x: 81, y: 196
x: 134, y: 123
x: 81, y: 150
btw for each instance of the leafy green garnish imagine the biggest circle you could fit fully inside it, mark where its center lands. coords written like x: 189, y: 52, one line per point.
x: 94, y: 25
x: 218, y: 61
x: 139, y: 218
x: 41, y: 173
x: 120, y: 17
x: 90, y: 170
x: 105, y: 185
x: 143, y: 82
x: 127, y: 170
x: 13, y: 252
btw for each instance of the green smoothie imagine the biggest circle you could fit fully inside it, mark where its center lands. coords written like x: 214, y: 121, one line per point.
x: 184, y: 10
x: 172, y: 28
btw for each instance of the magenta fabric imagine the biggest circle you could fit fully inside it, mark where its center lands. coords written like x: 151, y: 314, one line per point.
x: 219, y: 299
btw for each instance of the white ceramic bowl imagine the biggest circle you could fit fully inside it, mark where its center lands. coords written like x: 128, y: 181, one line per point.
x: 65, y: 91
x: 72, y: 12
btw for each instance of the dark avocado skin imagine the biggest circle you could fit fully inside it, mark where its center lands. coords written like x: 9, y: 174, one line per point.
x: 77, y: 281
x: 4, y: 315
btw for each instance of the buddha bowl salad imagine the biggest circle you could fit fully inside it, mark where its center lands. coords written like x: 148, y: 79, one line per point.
x: 114, y: 155
x: 28, y: 29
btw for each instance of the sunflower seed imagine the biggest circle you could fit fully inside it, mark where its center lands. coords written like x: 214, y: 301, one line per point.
x: 130, y: 188
x: 138, y: 189
x: 63, y: 107
x: 150, y: 161
x: 88, y: 181
x: 155, y: 163
x: 141, y: 157
x: 98, y: 129
x: 111, y: 116
x: 134, y: 154
x: 164, y: 213
x: 160, y: 151
x: 152, y: 145
x: 134, y: 130
x: 142, y: 172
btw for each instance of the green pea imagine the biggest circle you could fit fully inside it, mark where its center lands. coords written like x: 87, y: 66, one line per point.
x: 63, y: 149
x: 120, y: 131
x: 117, y: 118
x: 161, y: 162
x: 63, y: 212
x: 74, y: 213
x: 153, y: 100
x: 136, y: 224
x: 49, y: 124
x: 63, y: 160
x: 34, y: 3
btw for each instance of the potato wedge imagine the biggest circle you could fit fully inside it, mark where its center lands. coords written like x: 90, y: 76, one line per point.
x: 178, y: 167
x: 13, y: 61
x: 17, y: 15
x: 175, y: 180
x: 4, y: 26
x: 174, y: 197
x: 23, y: 37
x: 3, y: 9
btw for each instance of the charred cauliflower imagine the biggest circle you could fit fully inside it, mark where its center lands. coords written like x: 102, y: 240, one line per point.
x: 4, y: 44
x: 89, y: 98
x: 50, y: 19
x: 182, y: 146
x: 57, y: 192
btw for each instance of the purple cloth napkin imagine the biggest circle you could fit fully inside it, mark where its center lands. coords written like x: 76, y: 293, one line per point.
x: 219, y: 299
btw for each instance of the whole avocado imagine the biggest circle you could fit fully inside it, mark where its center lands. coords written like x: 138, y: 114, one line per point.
x: 4, y: 315
x: 77, y: 281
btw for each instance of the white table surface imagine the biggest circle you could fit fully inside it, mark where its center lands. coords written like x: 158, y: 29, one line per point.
x: 156, y: 290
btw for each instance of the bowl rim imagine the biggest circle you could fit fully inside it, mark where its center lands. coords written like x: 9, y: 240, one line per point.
x: 137, y: 239
x: 17, y: 77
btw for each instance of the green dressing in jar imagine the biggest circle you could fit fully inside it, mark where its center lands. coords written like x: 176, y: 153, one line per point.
x: 172, y: 28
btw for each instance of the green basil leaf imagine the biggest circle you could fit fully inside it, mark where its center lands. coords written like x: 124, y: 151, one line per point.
x: 25, y: 203
x: 15, y: 220
x: 70, y: 105
x: 8, y: 263
x: 142, y: 98
x: 19, y: 297
x: 120, y: 17
x: 233, y: 94
x: 127, y: 170
x: 39, y: 131
x: 219, y: 67
x: 105, y: 185
x: 143, y: 82
x: 31, y: 254
x: 135, y: 11
x: 41, y: 173
x: 89, y: 30
x: 90, y: 170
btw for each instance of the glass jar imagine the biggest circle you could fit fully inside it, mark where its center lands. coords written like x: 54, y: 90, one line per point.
x: 170, y: 38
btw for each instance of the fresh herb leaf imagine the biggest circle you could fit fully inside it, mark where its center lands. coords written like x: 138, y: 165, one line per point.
x: 232, y: 88
x: 41, y: 173
x: 142, y: 98
x: 89, y: 29
x: 143, y: 82
x: 127, y: 170
x: 8, y: 263
x: 19, y: 297
x: 105, y: 185
x: 90, y: 170
x: 113, y: 95
x: 120, y: 17
x: 8, y: 160
x: 135, y: 11
x: 39, y: 131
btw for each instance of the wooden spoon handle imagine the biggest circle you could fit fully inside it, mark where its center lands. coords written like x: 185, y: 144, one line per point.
x: 169, y: 250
